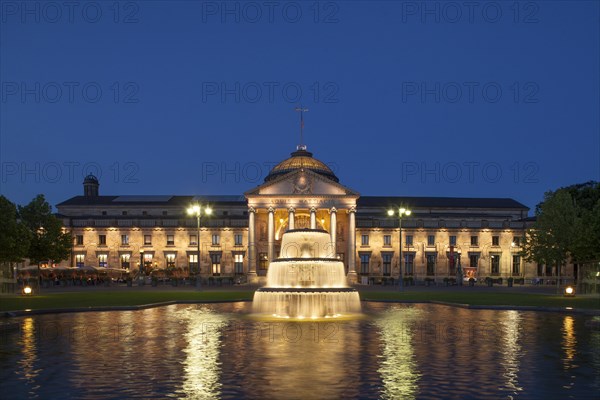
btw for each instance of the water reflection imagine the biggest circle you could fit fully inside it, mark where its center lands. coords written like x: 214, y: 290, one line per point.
x: 202, y: 331
x: 569, y: 342
x: 398, y: 367
x: 216, y: 351
x: 511, y: 349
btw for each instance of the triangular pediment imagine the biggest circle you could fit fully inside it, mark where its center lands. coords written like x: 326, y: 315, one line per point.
x: 301, y: 183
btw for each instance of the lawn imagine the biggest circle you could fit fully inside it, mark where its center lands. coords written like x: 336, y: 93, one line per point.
x: 124, y: 298
x: 135, y: 297
x: 492, y: 298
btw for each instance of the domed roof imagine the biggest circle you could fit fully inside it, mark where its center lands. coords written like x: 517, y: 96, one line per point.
x: 301, y: 159
x: 90, y: 179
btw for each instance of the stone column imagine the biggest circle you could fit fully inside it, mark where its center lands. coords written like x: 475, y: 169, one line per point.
x: 271, y: 233
x: 291, y: 216
x: 313, y: 218
x: 333, y: 229
x: 251, y: 245
x: 352, y: 276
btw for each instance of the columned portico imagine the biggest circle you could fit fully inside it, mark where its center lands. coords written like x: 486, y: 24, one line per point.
x: 271, y: 234
x: 304, y: 190
x: 313, y: 218
x: 291, y: 216
x: 352, y: 277
x: 333, y: 229
x: 251, y: 244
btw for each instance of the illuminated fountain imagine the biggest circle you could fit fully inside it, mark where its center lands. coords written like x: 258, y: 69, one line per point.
x: 306, y: 281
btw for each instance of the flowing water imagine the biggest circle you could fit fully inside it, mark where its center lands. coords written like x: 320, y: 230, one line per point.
x: 394, y: 351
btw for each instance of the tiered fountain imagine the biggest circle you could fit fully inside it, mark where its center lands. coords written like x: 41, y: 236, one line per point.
x: 306, y: 281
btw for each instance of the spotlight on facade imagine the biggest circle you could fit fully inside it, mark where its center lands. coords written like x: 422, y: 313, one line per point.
x: 27, y: 291
x: 569, y: 291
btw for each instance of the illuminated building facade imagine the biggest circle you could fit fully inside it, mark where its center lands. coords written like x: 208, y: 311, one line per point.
x: 481, y: 236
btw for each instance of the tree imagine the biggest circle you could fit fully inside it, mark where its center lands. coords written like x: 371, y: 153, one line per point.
x: 14, y: 236
x: 49, y: 242
x: 567, y: 226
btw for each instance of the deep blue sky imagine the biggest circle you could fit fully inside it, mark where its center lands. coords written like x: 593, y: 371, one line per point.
x: 368, y: 72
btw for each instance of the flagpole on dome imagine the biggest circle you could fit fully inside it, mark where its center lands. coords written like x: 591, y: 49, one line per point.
x: 301, y: 110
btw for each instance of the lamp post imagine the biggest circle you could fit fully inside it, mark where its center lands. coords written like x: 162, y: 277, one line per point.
x: 196, y: 210
x: 401, y: 213
x: 141, y: 272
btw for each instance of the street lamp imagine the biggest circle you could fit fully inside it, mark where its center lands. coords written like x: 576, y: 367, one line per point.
x: 401, y: 213
x: 141, y: 272
x: 196, y: 210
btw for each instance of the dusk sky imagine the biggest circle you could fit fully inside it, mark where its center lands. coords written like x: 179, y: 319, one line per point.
x: 489, y: 99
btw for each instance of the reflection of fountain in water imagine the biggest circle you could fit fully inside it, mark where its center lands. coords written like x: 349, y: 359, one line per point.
x: 306, y: 281
x: 201, y: 365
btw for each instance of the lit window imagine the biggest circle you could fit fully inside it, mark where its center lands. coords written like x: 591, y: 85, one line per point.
x: 102, y: 260
x: 170, y: 260
x: 79, y: 260
x: 215, y: 259
x: 125, y: 259
x: 238, y: 263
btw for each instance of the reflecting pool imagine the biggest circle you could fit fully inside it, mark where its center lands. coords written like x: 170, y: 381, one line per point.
x: 220, y: 351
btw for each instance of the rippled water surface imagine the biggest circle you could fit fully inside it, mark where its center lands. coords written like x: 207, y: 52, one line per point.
x: 219, y: 351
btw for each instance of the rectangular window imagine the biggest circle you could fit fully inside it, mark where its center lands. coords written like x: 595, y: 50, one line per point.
x: 495, y: 240
x: 516, y: 265
x: 517, y: 241
x: 452, y: 240
x: 263, y: 261
x: 430, y: 240
x: 148, y: 261
x: 387, y: 264
x: 171, y: 260
x: 79, y: 240
x: 102, y: 240
x: 124, y: 240
x: 170, y: 240
x: 409, y: 261
x: 193, y: 262
x: 473, y: 260
x: 193, y: 240
x: 540, y: 269
x: 125, y: 260
x: 216, y: 240
x: 549, y: 270
x: 147, y: 240
x: 237, y: 239
x: 215, y: 261
x: 387, y: 240
x: 431, y: 264
x: 495, y: 261
x: 102, y: 260
x: 409, y: 240
x: 79, y: 260
x: 364, y: 240
x: 364, y: 264
x: 474, y: 240
x: 238, y: 264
